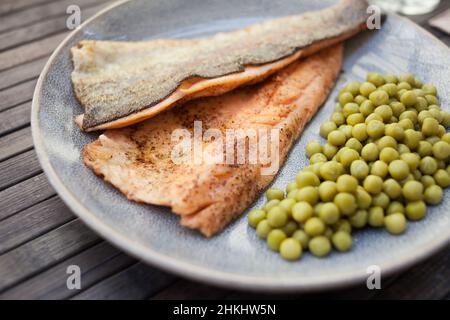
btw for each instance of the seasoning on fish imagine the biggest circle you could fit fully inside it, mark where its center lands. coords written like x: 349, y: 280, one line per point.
x: 122, y: 83
x: 138, y: 160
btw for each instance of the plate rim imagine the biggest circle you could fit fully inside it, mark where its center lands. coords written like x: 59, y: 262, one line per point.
x: 186, y: 269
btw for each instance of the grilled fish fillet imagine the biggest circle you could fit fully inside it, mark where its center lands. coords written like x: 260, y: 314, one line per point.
x: 138, y: 160
x: 122, y: 83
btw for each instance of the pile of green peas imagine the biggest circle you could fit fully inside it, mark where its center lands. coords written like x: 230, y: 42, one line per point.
x: 386, y: 158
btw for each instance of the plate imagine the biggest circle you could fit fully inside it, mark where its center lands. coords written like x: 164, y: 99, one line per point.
x: 236, y: 257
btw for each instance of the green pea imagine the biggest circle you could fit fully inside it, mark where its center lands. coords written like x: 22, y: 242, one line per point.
x: 412, y: 159
x: 342, y: 241
x: 381, y: 200
x: 348, y: 156
x: 331, y: 170
x: 327, y: 190
x: 412, y: 138
x: 273, y: 193
x: 387, y: 155
x: 359, y: 169
x: 370, y: 152
x: 395, y: 207
x: 338, y: 118
x: 327, y: 127
x: 291, y: 186
x: 287, y: 205
x: 445, y: 119
x: 355, y: 118
x: 359, y: 219
x: 336, y: 138
x: 397, y: 108
x: 329, y: 150
x: 402, y: 148
x: 409, y: 98
x: 354, y: 144
x: 360, y: 99
x: 399, y: 169
x: 314, y: 227
x: 379, y: 168
x: 392, y: 188
x: 373, y: 184
x: 255, y: 217
x: 442, y: 178
x: 277, y: 217
x: 363, y: 198
x: 403, y: 85
x: 428, y: 165
x: 319, y: 246
x: 416, y: 210
x: 433, y: 195
x: 429, y: 89
x: 343, y: 225
x: 406, y: 124
x: 346, y: 130
x: 275, y: 238
x: 317, y: 158
x: 263, y: 229
x: 395, y: 223
x: 290, y: 249
x: 427, y: 181
x: 410, y: 114
x: 387, y: 142
x: 376, y: 217
x: 312, y: 148
x: 366, y: 108
x: 413, y: 190
x: 309, y: 194
x: 367, y: 88
x: 350, y: 108
x: 409, y: 78
x: 346, y: 203
x: 305, y: 179
x: 441, y: 150
x: 302, y: 237
x: 345, y: 97
x: 372, y: 117
x: 375, y: 129
x: 329, y: 213
x: 424, y: 149
x: 390, y: 78
x: 395, y: 131
x: 430, y: 127
x: 271, y: 204
x: 385, y: 112
x: 290, y: 228
x: 391, y: 89
x: 302, y: 211
x: 375, y: 78
x: 421, y: 104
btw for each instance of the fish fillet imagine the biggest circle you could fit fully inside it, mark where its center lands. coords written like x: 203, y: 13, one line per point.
x: 138, y: 160
x: 121, y: 83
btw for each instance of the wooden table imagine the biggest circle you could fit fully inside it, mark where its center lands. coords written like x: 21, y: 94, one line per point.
x: 40, y: 237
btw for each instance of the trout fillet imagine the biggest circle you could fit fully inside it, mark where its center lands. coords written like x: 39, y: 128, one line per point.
x: 138, y: 160
x: 122, y: 83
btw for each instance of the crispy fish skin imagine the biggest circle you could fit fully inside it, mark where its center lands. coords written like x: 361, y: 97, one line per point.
x: 137, y: 160
x: 121, y: 83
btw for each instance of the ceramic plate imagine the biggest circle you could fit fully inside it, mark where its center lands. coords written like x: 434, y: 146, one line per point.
x: 236, y: 257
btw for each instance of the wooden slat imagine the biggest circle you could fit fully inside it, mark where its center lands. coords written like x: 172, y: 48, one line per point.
x: 428, y: 280
x: 42, y: 12
x: 24, y: 194
x: 33, y: 222
x: 15, y: 143
x: 44, y: 252
x: 8, y: 6
x: 22, y: 73
x: 42, y: 28
x: 30, y: 51
x: 96, y: 263
x: 18, y: 168
x: 16, y: 95
x: 15, y: 118
x: 137, y: 282
x: 185, y: 289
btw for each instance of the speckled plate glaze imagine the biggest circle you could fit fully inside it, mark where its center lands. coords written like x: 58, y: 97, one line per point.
x: 235, y: 258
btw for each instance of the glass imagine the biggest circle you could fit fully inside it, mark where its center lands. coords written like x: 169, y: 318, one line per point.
x: 408, y: 7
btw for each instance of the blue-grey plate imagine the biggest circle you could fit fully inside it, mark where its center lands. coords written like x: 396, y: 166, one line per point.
x: 236, y: 257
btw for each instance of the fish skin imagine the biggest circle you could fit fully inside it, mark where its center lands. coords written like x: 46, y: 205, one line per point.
x: 121, y: 83
x: 207, y: 197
